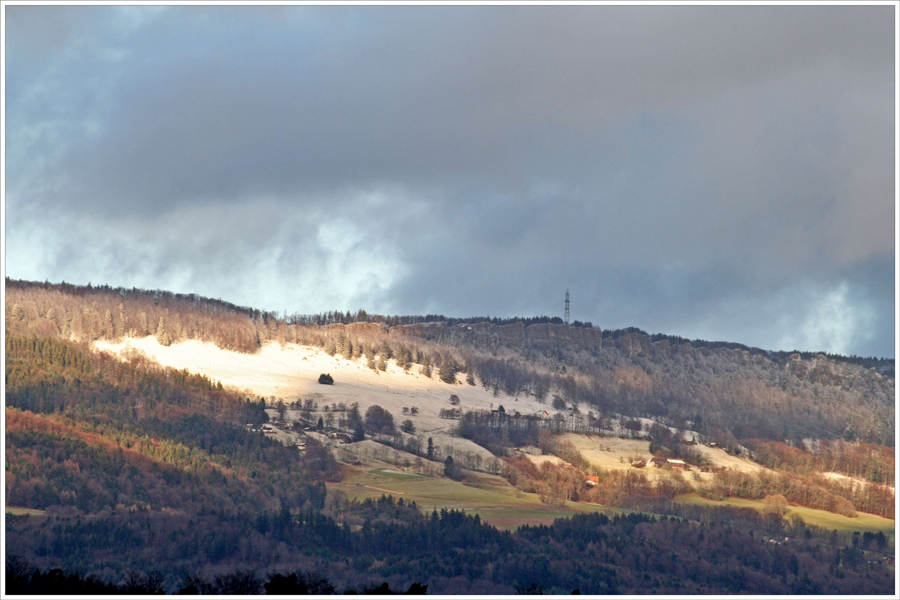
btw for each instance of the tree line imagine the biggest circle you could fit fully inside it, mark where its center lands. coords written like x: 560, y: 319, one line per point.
x: 706, y: 551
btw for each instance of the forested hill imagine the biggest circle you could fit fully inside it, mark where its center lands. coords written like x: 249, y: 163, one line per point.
x: 170, y: 300
x: 723, y: 390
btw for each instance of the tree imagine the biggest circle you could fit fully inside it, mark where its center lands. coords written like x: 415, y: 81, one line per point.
x: 162, y: 335
x: 299, y: 583
x: 378, y: 420
x: 775, y: 504
x: 326, y: 379
x: 320, y: 425
x: 382, y: 365
x: 558, y: 403
x: 242, y: 583
x: 281, y: 408
x: 359, y: 432
x: 540, y: 391
x: 408, y: 427
x: 451, y: 469
x: 355, y: 423
x: 470, y: 378
x: 454, y: 400
x: 430, y: 451
x: 414, y: 410
x: 404, y: 360
x: 447, y: 372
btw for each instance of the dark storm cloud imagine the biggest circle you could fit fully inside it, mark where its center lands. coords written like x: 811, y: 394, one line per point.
x: 693, y: 170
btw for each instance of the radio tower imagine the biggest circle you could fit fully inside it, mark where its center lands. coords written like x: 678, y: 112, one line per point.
x: 567, y: 308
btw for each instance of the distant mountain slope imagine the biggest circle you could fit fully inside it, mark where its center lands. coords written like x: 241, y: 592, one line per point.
x: 726, y: 391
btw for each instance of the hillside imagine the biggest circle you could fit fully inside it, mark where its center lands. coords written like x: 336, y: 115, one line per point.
x: 123, y: 438
x: 291, y: 371
x: 724, y: 393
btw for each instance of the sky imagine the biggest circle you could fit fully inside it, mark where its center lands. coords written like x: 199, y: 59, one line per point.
x: 714, y: 172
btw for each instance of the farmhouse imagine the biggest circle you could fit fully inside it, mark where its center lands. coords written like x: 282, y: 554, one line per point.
x: 591, y: 480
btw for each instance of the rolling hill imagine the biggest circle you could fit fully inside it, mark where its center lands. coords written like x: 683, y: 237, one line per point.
x: 132, y: 416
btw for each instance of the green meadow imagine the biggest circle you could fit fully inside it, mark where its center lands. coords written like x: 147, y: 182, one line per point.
x: 820, y: 518
x: 501, y: 505
x: 18, y: 511
x: 488, y: 496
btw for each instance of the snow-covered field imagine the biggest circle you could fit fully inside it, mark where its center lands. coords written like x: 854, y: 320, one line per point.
x: 291, y: 372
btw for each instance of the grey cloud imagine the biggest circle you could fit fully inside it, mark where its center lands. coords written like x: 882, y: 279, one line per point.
x: 666, y: 163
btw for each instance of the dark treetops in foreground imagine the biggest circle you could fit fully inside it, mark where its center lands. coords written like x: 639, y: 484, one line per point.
x: 701, y: 550
x: 22, y: 578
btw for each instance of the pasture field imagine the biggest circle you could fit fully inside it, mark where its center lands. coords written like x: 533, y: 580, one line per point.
x: 18, y: 511
x: 612, y: 453
x: 820, y: 518
x: 490, y: 497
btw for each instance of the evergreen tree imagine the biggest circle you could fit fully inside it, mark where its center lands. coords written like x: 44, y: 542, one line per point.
x: 359, y: 432
x: 162, y: 335
x: 430, y: 451
x: 447, y: 372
